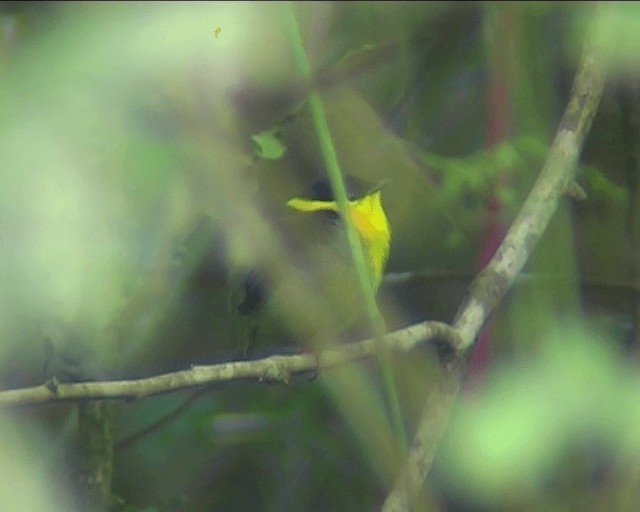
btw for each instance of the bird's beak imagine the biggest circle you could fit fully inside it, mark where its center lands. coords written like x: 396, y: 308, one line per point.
x: 379, y: 186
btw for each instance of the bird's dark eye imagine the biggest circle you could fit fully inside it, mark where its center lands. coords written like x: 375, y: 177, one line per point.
x: 321, y: 190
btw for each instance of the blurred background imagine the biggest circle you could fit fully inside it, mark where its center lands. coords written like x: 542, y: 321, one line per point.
x: 147, y: 151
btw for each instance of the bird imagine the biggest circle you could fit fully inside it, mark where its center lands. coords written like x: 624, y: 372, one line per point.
x: 315, y: 298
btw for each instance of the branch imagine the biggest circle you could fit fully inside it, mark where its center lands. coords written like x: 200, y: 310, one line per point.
x: 95, y: 455
x: 276, y: 368
x: 491, y: 285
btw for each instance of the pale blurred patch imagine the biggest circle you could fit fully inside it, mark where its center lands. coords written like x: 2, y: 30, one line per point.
x: 28, y: 480
x: 618, y: 37
x: 118, y: 135
x: 515, y: 439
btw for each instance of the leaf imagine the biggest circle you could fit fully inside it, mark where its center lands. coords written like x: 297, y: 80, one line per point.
x: 269, y: 146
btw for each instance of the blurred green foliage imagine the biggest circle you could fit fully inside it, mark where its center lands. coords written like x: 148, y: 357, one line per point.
x: 568, y: 412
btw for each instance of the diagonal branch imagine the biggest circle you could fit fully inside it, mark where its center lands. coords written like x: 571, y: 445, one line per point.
x: 491, y: 285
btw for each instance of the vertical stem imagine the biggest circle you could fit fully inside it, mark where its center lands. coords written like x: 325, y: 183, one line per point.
x: 364, y: 273
x: 95, y: 455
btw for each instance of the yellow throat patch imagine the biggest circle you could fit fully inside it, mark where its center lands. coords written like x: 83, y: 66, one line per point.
x: 369, y: 218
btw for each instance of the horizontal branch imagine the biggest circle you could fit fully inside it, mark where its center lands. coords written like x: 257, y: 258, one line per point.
x: 277, y: 368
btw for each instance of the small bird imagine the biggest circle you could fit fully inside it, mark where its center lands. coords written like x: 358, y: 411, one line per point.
x: 316, y: 299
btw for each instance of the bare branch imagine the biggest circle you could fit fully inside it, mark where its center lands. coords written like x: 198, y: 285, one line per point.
x: 491, y: 285
x: 276, y: 368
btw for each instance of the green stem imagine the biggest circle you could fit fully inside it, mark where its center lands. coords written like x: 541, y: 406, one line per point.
x: 365, y: 278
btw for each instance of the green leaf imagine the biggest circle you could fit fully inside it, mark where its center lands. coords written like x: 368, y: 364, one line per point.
x: 269, y: 146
